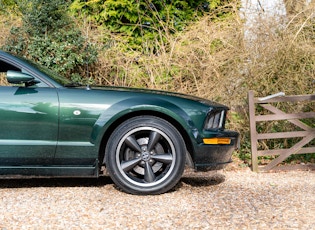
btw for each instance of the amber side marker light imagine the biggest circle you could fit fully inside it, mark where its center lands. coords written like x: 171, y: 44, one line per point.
x: 217, y: 141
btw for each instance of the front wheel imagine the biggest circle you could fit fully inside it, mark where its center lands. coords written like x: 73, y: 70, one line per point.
x: 145, y: 155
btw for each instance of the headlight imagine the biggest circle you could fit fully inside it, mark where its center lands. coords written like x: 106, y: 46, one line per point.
x: 215, y: 119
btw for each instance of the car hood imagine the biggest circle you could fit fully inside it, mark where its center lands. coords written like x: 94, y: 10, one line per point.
x: 161, y: 92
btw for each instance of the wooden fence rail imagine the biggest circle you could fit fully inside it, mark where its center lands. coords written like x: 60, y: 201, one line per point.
x: 307, y: 135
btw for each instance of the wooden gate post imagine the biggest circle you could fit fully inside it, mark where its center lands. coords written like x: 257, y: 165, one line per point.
x: 253, y: 132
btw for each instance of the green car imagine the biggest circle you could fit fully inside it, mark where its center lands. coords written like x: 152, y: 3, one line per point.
x: 142, y: 138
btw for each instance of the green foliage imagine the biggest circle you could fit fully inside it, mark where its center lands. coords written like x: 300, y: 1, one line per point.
x: 4, y: 4
x: 8, y: 8
x: 142, y: 23
x: 42, y: 17
x: 49, y: 37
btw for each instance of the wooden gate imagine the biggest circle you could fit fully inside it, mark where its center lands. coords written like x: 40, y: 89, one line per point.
x: 306, y: 133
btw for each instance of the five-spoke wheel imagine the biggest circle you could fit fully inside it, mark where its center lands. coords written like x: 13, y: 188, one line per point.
x: 145, y: 155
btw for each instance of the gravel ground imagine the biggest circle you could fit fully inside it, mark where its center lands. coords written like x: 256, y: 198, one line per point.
x: 218, y: 200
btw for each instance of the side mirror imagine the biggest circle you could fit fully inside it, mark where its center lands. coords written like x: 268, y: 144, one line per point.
x: 16, y: 77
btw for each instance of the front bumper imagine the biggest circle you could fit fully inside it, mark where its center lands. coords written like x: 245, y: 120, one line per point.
x: 215, y: 156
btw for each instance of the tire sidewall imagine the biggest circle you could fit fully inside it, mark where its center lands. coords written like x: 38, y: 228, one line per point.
x: 145, y: 121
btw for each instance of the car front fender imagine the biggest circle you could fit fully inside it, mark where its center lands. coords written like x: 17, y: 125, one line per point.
x: 138, y: 106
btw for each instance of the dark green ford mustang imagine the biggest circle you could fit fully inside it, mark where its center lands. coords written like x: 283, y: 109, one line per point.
x: 51, y: 128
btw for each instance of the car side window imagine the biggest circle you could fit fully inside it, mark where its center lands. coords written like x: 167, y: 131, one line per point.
x: 3, y: 79
x: 5, y: 68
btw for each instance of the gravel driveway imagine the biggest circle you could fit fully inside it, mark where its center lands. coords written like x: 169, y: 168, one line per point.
x: 221, y: 200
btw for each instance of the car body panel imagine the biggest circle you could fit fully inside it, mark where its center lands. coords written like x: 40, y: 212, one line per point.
x: 213, y: 157
x: 83, y: 124
x: 29, y: 124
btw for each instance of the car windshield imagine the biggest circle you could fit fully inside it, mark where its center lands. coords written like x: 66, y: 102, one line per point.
x: 58, y: 78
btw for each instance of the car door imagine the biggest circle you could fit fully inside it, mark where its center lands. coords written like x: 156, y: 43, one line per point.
x: 28, y: 123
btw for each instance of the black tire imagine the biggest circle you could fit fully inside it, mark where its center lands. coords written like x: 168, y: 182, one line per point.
x: 145, y: 155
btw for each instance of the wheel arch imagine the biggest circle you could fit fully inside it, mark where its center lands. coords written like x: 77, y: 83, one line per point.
x: 173, y: 121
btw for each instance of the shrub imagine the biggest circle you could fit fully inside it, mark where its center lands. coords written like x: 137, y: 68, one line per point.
x: 50, y: 37
x: 142, y: 23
